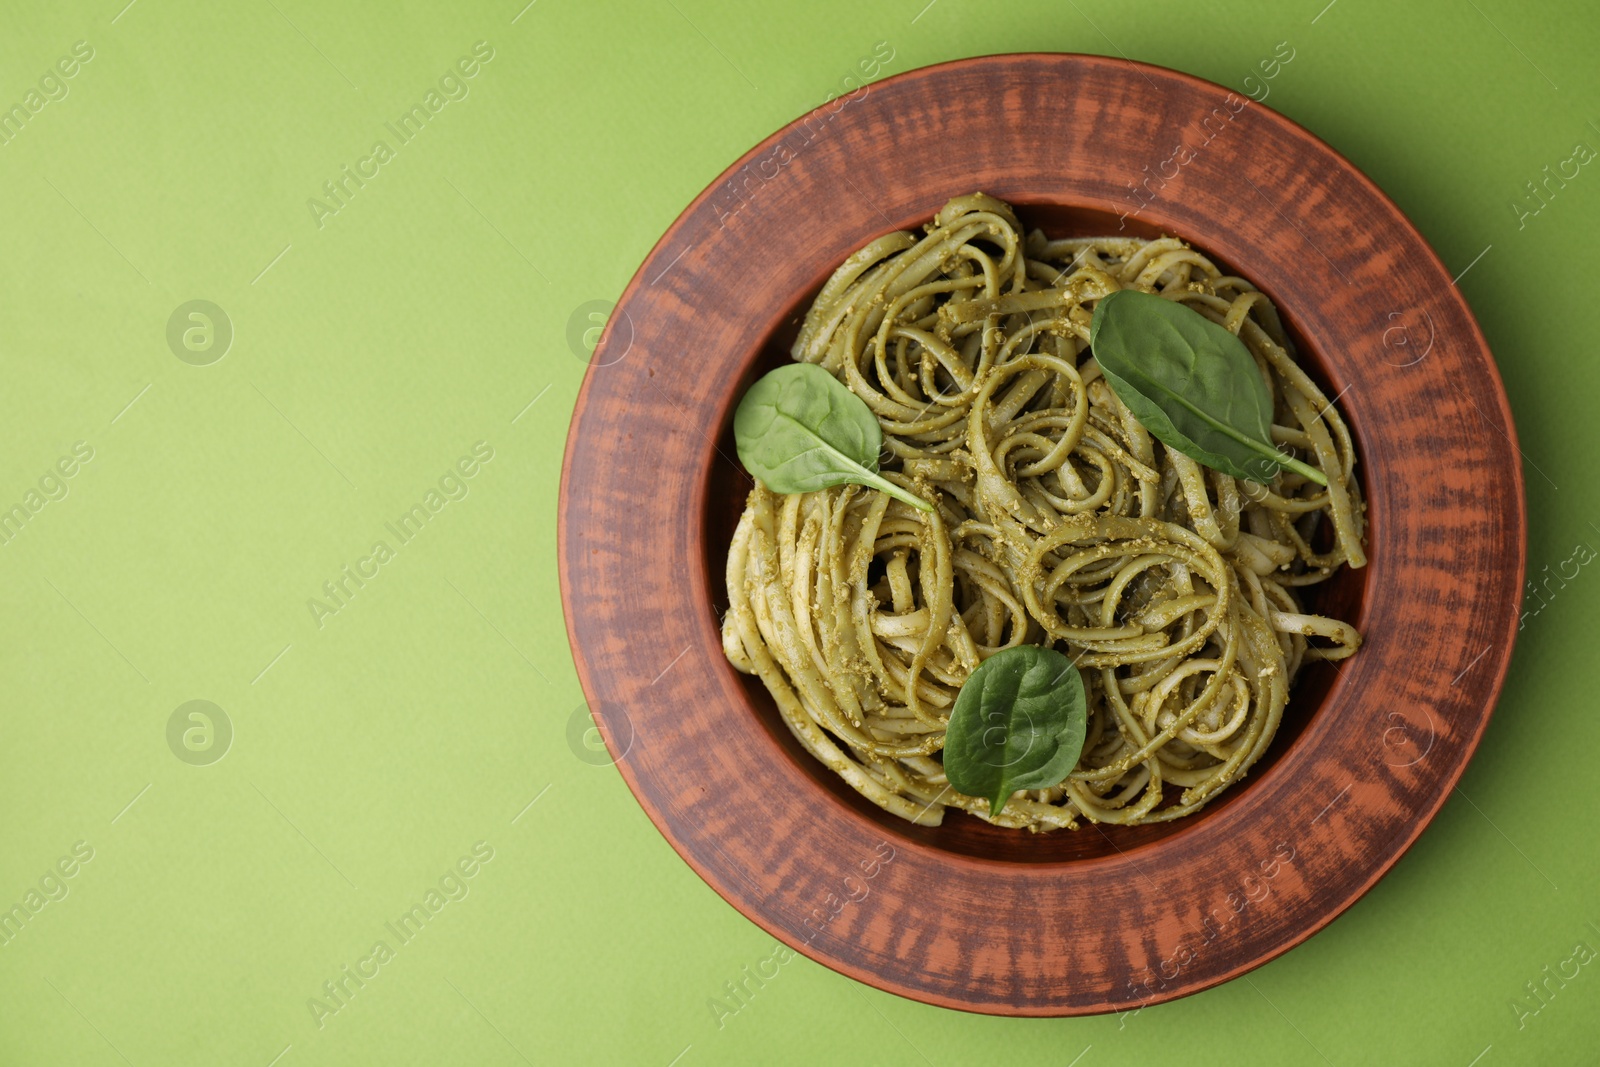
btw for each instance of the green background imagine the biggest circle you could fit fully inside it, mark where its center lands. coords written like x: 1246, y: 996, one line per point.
x: 372, y: 752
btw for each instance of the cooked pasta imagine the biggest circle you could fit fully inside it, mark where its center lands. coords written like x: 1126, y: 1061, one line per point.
x: 1060, y: 521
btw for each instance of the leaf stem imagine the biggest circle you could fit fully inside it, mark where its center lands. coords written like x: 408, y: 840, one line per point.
x: 882, y: 484
x: 870, y: 477
x: 1251, y: 443
x: 1304, y: 469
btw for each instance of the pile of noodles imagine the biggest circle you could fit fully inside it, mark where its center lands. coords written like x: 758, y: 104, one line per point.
x: 1060, y: 521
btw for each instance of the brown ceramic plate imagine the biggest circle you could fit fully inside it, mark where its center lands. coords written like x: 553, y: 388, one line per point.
x: 967, y: 915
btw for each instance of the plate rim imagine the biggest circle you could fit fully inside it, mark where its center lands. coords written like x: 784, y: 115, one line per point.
x: 1414, y: 826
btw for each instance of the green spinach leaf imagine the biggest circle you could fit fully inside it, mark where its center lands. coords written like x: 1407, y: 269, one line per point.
x: 1018, y: 723
x: 799, y: 429
x: 1191, y: 383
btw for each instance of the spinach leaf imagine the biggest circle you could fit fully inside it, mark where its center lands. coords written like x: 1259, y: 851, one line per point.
x: 1018, y: 723
x: 799, y: 429
x: 1191, y: 383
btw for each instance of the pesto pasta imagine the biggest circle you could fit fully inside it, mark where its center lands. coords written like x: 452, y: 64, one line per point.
x: 1059, y: 520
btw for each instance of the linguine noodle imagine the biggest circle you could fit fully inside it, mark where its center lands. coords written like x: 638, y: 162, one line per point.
x: 1060, y: 521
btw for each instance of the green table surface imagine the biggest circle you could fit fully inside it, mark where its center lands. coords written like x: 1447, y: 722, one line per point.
x: 188, y: 485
